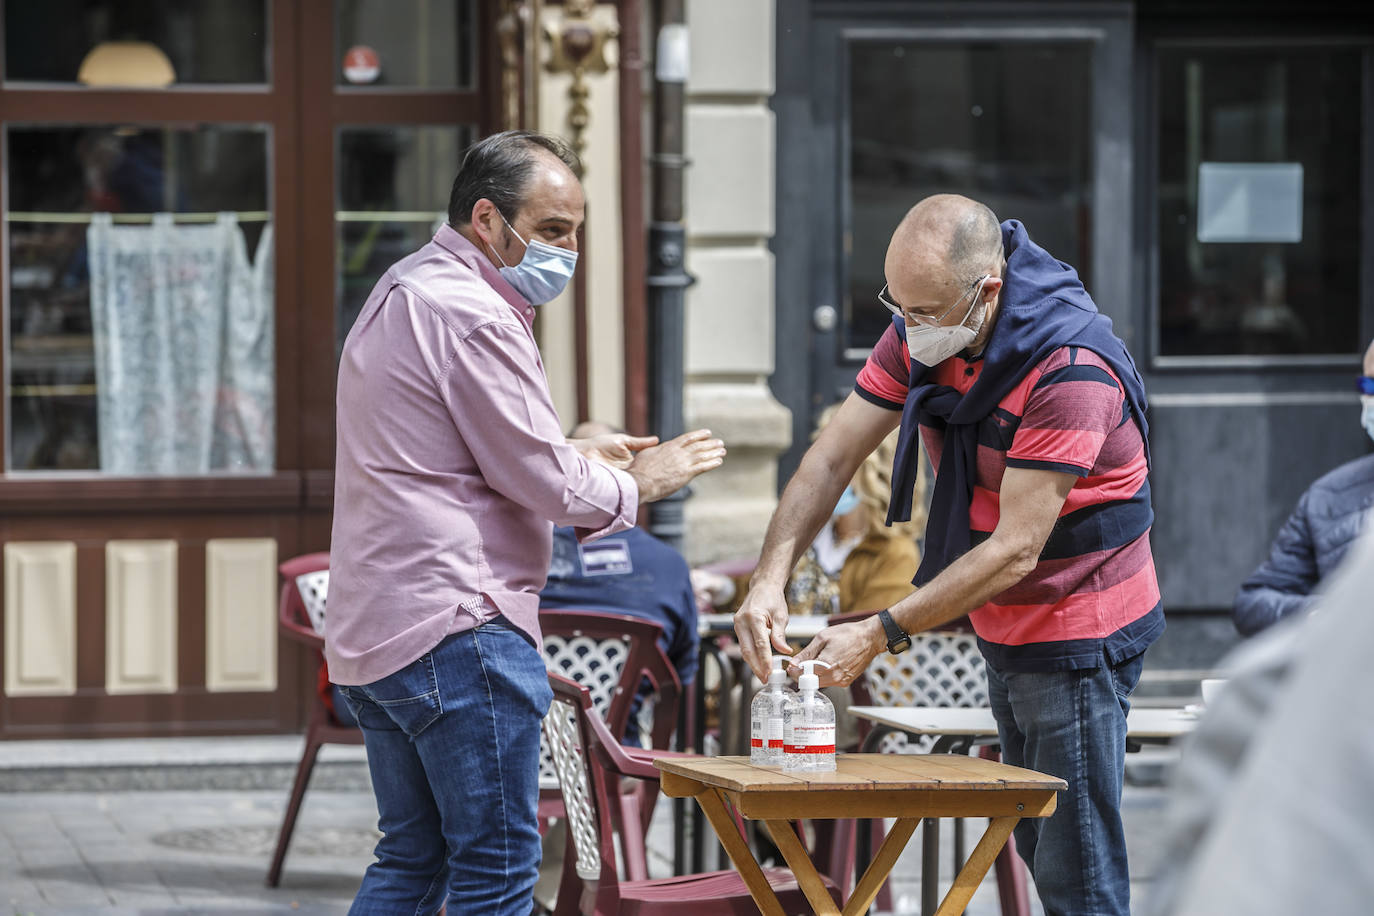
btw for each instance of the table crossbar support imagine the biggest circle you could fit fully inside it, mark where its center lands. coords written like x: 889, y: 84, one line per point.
x: 712, y: 802
x: 881, y: 866
x: 971, y: 875
x: 803, y: 869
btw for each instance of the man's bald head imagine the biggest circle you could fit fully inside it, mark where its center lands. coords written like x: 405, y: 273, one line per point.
x: 950, y: 237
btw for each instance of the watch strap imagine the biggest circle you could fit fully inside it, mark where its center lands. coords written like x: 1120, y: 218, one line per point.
x: 898, y: 640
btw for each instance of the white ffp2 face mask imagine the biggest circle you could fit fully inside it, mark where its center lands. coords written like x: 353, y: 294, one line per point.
x: 931, y: 346
x: 1367, y: 413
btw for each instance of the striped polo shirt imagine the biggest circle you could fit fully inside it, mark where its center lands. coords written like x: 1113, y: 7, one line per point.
x: 1093, y: 593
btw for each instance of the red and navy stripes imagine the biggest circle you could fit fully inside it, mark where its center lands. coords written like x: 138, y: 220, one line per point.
x: 1094, y: 589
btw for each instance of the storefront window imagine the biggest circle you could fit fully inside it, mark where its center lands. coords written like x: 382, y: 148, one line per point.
x: 209, y: 41
x: 411, y: 44
x: 1007, y: 123
x: 140, y: 337
x: 394, y: 185
x: 1259, y: 200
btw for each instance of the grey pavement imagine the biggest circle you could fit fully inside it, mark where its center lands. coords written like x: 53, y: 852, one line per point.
x: 187, y: 826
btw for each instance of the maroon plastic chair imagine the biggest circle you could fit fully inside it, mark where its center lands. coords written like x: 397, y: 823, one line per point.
x: 300, y: 616
x: 590, y: 763
x: 611, y: 655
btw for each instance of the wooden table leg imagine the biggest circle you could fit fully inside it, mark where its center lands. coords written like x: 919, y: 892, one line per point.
x: 881, y: 866
x: 971, y: 875
x: 713, y: 805
x: 803, y: 869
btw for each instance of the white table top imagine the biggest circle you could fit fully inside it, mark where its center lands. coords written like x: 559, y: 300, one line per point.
x: 799, y: 629
x: 1143, y: 722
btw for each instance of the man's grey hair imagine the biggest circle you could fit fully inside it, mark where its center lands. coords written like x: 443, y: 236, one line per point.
x: 499, y: 168
x: 975, y: 245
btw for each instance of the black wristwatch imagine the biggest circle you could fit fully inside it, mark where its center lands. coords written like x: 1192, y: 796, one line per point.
x: 898, y: 640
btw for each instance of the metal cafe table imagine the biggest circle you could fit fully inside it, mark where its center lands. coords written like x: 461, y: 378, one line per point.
x: 905, y: 787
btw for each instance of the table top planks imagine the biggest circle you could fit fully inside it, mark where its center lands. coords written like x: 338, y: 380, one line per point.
x: 862, y: 772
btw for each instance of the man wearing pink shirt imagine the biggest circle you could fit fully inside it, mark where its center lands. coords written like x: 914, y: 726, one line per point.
x: 450, y: 472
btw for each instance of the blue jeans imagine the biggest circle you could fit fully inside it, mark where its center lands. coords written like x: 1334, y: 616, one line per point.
x: 1072, y: 724
x: 453, y: 749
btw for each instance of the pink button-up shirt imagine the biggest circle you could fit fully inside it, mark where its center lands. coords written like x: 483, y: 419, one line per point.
x: 451, y: 466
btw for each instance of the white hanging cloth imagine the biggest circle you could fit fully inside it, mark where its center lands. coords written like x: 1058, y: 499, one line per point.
x: 184, y: 350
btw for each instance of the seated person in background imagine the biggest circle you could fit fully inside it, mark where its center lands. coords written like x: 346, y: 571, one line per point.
x: 631, y: 573
x: 1315, y: 537
x: 856, y: 562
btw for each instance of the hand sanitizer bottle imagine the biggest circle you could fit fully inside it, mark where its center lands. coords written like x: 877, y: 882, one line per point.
x: 765, y: 717
x: 809, y: 725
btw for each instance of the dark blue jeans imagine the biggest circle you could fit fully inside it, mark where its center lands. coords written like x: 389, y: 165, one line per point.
x: 453, y: 749
x: 1072, y: 724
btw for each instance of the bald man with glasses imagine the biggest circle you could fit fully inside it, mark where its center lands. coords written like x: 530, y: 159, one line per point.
x: 1033, y: 414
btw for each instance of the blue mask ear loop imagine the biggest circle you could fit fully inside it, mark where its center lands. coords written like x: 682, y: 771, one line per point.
x: 514, y: 233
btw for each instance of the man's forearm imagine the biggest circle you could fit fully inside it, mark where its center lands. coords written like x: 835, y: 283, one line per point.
x: 965, y: 585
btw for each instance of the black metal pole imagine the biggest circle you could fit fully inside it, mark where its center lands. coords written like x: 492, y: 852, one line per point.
x: 668, y: 278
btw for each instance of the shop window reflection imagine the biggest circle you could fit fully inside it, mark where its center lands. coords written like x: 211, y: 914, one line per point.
x: 394, y: 185
x: 1005, y: 123
x: 141, y: 342
x: 1258, y: 201
x: 206, y: 42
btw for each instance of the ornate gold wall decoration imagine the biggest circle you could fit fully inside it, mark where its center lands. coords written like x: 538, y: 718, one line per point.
x: 578, y: 46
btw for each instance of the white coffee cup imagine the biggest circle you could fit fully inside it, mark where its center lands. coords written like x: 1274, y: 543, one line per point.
x: 1211, y: 689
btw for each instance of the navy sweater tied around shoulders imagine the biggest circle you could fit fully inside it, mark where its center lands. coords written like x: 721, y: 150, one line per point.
x: 1043, y: 307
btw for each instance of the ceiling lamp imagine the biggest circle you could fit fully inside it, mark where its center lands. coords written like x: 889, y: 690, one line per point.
x: 127, y: 65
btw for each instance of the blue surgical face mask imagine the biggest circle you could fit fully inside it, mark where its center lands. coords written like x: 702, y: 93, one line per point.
x: 542, y: 273
x: 849, y: 499
x: 1367, y: 413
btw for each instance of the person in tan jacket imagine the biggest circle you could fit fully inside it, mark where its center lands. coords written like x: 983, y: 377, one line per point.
x: 856, y: 562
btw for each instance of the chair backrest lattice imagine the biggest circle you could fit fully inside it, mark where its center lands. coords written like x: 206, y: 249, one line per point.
x: 563, y: 738
x: 595, y: 662
x: 942, y: 668
x: 610, y: 655
x: 313, y: 588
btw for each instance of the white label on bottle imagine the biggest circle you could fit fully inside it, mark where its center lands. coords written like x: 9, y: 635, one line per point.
x: 813, y: 739
x: 773, y: 732
x: 756, y: 734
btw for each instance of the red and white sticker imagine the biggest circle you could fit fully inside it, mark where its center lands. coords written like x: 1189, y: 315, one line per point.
x: 812, y: 739
x: 361, y: 65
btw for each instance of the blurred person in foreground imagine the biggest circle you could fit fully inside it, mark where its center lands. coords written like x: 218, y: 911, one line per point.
x: 451, y: 466
x: 1315, y: 538
x: 1269, y: 810
x: 1034, y: 417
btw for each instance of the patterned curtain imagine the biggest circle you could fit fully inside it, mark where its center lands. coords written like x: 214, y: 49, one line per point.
x: 184, y: 352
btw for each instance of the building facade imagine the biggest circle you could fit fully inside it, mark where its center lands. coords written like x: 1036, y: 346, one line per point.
x: 168, y: 404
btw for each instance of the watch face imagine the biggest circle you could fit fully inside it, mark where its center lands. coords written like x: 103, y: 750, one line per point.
x: 899, y: 645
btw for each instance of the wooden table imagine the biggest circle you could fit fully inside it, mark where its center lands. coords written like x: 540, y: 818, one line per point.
x: 715, y: 632
x: 955, y: 728
x: 905, y: 787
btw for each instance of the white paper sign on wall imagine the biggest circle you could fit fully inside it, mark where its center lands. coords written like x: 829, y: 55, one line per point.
x: 1249, y: 202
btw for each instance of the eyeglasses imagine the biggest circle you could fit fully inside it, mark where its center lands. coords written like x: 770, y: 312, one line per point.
x: 1365, y: 384
x: 931, y: 321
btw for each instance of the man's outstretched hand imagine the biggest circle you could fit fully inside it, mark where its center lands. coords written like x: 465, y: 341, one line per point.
x: 615, y: 449
x: 663, y: 469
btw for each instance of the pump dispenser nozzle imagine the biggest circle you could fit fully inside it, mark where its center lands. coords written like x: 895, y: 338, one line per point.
x: 809, y: 679
x: 779, y: 673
